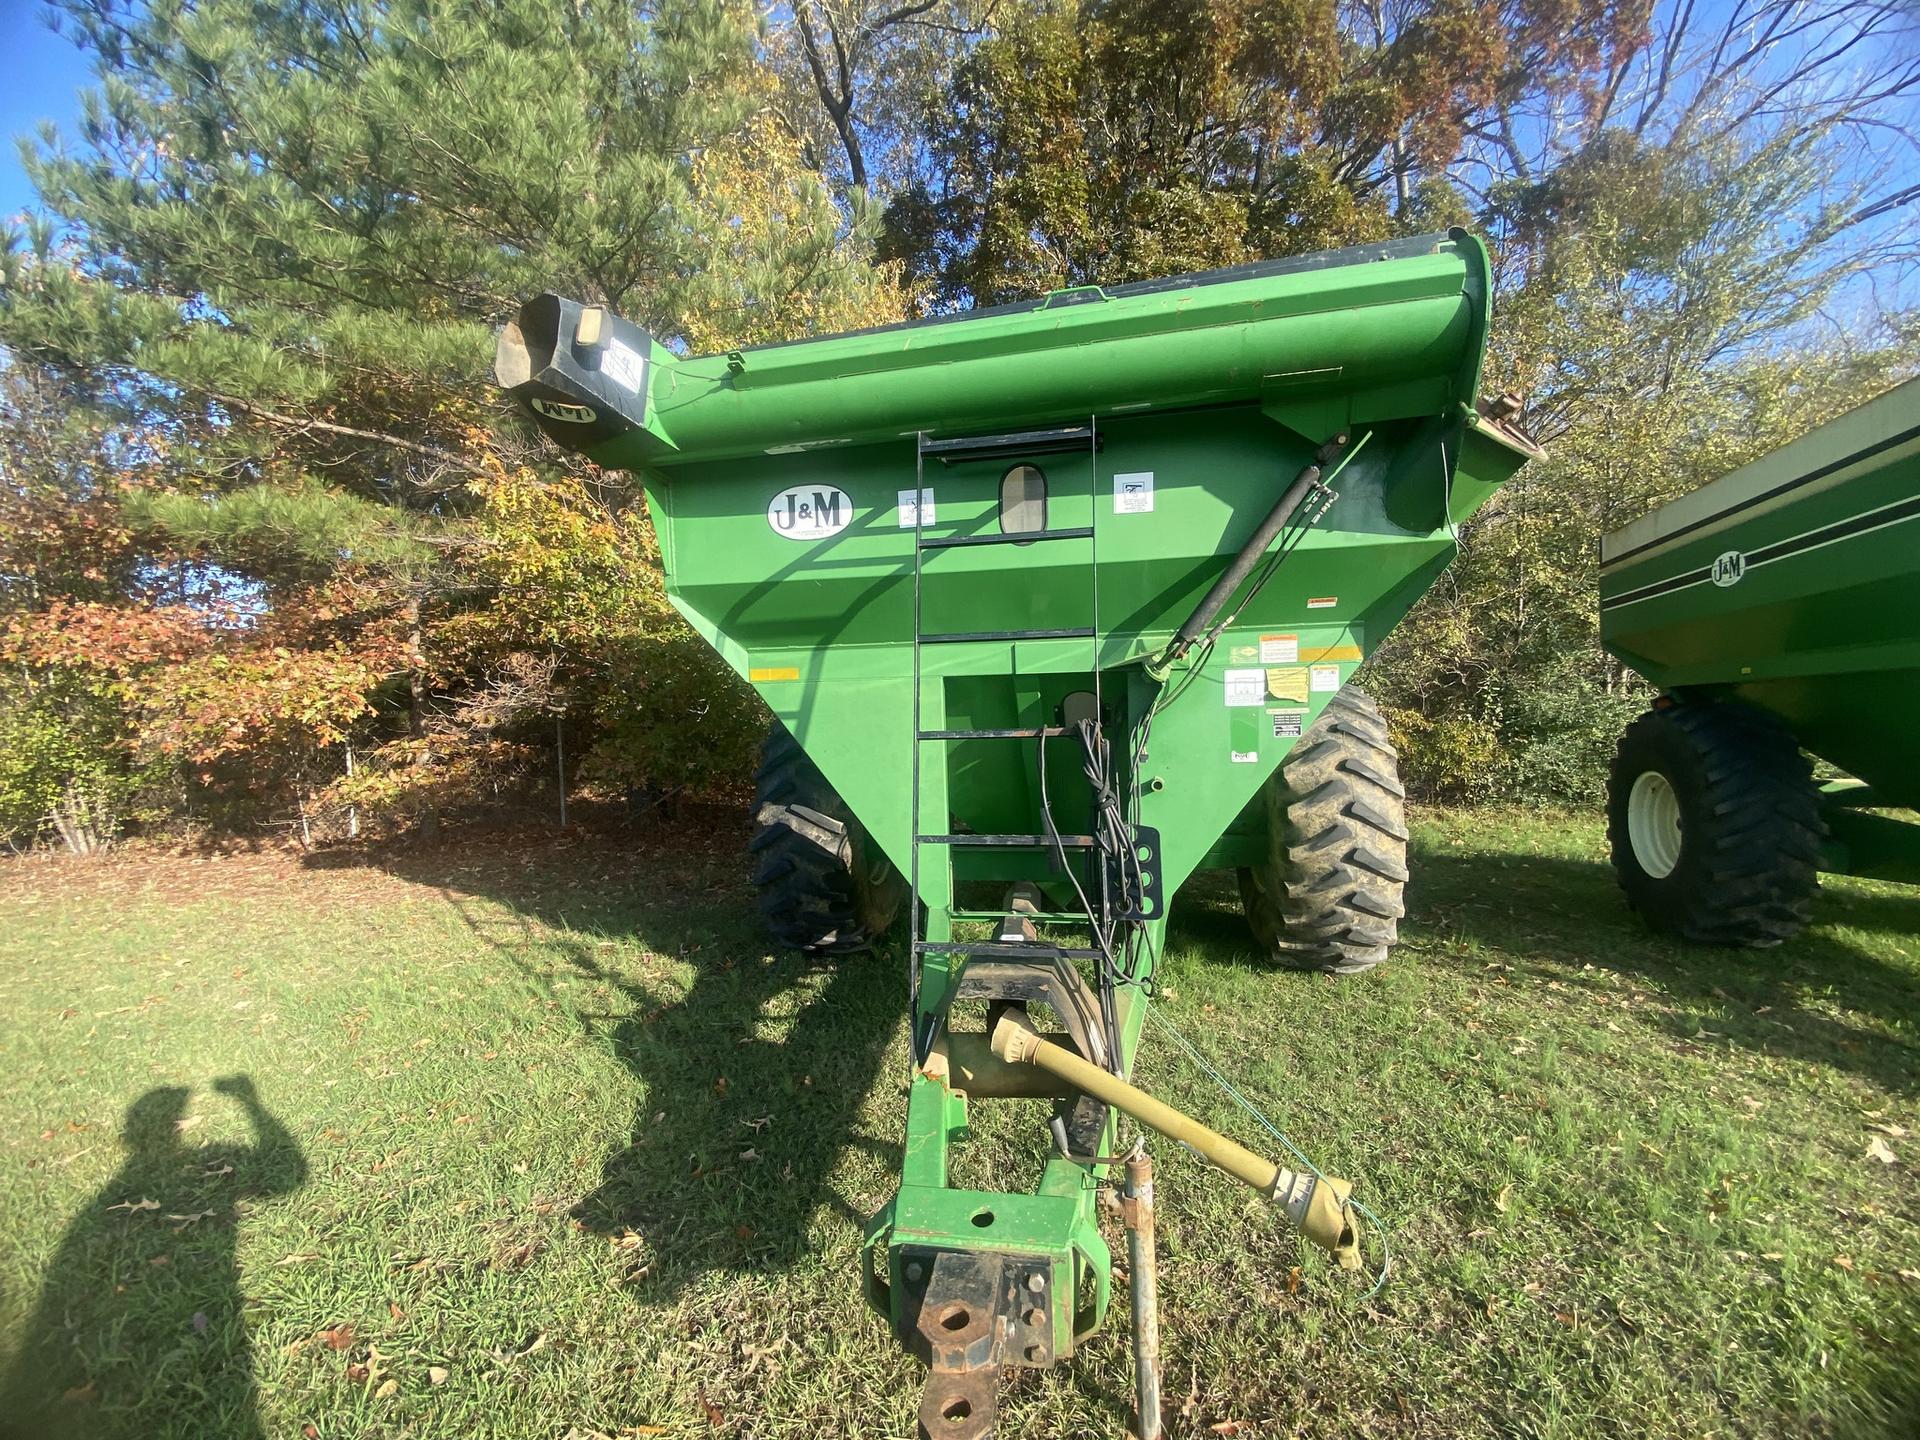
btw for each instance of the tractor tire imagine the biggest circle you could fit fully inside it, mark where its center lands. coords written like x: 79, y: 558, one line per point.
x: 1330, y: 895
x: 825, y: 887
x: 1715, y: 824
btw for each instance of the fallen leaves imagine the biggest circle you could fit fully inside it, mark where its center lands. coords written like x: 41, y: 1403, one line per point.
x: 1500, y: 1200
x: 437, y: 1374
x: 132, y: 1205
x: 336, y: 1337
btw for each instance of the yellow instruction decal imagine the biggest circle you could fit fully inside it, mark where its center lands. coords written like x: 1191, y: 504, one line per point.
x: 1288, y: 683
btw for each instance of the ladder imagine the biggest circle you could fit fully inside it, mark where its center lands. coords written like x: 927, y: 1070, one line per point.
x: 936, y: 956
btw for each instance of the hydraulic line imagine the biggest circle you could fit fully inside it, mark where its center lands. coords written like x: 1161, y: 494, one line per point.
x: 1250, y: 555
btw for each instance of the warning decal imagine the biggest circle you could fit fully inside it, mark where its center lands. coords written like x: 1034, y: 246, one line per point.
x: 624, y: 365
x: 1246, y: 687
x: 912, y: 515
x: 1133, y: 493
x: 1279, y: 649
x: 1326, y: 677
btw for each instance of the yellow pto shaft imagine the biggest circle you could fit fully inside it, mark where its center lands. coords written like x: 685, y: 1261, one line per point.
x: 1316, y: 1206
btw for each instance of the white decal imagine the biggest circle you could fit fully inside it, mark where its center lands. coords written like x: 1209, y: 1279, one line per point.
x: 810, y: 512
x: 1246, y: 757
x: 1323, y: 602
x: 1133, y: 493
x: 1279, y: 649
x: 911, y: 514
x: 1287, y: 724
x: 1246, y: 687
x: 1729, y: 568
x: 557, y: 410
x: 1323, y: 677
x: 625, y: 364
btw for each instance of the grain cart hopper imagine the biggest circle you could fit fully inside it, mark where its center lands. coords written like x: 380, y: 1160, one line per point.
x: 1777, y: 609
x: 1054, y: 604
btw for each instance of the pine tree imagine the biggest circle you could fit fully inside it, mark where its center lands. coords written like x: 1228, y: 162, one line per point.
x: 286, y: 231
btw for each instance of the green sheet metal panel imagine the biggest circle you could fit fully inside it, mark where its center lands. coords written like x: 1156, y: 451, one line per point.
x: 1217, y: 387
x: 1792, y: 583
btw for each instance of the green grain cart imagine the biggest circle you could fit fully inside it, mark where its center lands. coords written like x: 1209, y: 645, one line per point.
x: 1055, y: 604
x: 1778, y: 611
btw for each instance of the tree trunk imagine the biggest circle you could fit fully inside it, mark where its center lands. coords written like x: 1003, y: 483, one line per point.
x: 417, y: 707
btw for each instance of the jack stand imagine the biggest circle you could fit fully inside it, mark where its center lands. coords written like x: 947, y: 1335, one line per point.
x: 1143, y: 1272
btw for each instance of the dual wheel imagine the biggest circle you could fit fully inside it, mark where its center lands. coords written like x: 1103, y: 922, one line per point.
x: 1714, y: 824
x: 1327, y: 895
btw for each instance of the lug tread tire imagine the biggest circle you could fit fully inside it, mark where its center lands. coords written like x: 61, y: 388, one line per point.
x: 1751, y: 826
x: 823, y: 888
x: 1331, y: 895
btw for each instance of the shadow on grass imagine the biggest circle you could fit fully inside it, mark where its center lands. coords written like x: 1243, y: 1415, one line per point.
x: 749, y: 1082
x: 1804, y: 1000
x: 143, y: 1296
x: 1787, y: 1001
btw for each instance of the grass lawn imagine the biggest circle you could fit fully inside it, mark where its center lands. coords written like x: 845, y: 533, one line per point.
x: 535, y: 1139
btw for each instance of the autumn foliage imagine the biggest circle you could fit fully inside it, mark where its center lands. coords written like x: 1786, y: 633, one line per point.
x: 274, y: 557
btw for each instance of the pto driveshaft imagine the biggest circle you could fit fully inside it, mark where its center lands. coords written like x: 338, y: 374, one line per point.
x: 1315, y: 1205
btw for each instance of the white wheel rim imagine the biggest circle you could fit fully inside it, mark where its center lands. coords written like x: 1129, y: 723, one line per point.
x: 1653, y: 824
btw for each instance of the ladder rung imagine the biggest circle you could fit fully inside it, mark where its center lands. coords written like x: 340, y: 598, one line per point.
x: 1038, y: 917
x: 1071, y: 842
x: 978, y: 636
x: 1031, y: 733
x: 1011, y: 950
x: 1024, y: 442
x: 947, y: 542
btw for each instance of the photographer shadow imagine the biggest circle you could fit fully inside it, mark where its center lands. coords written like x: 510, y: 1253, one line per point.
x: 148, y: 1269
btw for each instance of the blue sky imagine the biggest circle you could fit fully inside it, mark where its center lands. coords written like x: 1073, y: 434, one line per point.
x: 40, y: 73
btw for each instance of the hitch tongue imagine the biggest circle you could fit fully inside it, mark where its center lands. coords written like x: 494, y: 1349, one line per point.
x: 1315, y: 1205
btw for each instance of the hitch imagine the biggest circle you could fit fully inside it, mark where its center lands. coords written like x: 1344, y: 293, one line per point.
x: 967, y: 1313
